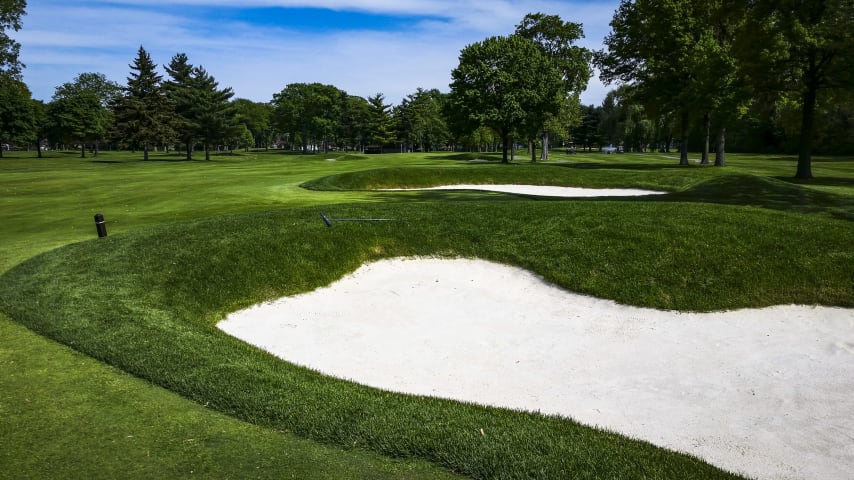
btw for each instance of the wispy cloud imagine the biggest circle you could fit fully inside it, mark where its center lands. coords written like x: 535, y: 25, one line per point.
x: 60, y: 41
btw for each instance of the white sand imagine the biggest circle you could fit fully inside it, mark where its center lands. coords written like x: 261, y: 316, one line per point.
x: 543, y: 190
x: 768, y: 393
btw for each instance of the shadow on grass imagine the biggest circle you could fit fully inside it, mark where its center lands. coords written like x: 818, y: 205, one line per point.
x: 820, y: 181
x: 775, y: 194
x: 622, y: 166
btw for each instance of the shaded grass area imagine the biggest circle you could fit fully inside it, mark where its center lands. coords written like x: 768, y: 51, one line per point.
x: 114, y: 425
x: 147, y: 302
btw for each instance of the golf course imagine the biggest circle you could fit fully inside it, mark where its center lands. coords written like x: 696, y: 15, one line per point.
x: 112, y: 364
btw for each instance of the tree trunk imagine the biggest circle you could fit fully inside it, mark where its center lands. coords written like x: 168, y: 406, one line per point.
x: 145, y: 151
x: 512, y: 149
x: 82, y: 150
x: 96, y: 148
x: 207, y: 152
x: 707, y: 125
x: 807, y: 127
x: 189, y: 149
x: 683, y: 148
x: 720, y: 150
x: 533, y: 151
x: 545, y: 155
x: 505, y: 140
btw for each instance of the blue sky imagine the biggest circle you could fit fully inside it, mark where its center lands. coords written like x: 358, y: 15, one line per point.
x: 258, y: 46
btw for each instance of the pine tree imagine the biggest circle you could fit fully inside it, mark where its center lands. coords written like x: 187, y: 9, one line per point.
x: 144, y: 113
x: 211, y: 114
x: 178, y: 90
x: 380, y: 123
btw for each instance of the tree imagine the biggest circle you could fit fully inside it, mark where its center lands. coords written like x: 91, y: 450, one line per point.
x: 41, y: 124
x: 256, y: 117
x: 16, y: 111
x: 556, y: 39
x: 144, y: 113
x: 178, y: 90
x: 652, y: 46
x: 502, y: 82
x: 80, y: 109
x: 311, y: 110
x: 353, y: 130
x: 11, y: 12
x: 586, y: 133
x: 211, y: 114
x: 379, y: 126
x: 421, y: 121
x: 800, y: 48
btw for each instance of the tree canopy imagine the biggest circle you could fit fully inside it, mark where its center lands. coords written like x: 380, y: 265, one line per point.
x: 144, y: 112
x: 503, y: 82
x: 11, y: 12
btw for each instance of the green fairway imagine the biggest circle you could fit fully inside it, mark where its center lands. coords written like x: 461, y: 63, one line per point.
x: 191, y: 241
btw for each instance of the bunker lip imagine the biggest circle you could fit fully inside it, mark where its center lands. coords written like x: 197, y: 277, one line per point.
x: 764, y: 392
x: 542, y: 190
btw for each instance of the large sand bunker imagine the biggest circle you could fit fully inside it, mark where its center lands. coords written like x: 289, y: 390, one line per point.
x: 765, y: 392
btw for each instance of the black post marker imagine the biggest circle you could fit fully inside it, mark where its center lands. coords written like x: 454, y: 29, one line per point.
x: 100, y: 225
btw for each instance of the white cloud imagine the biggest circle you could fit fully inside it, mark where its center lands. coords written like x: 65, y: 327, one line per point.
x: 60, y: 41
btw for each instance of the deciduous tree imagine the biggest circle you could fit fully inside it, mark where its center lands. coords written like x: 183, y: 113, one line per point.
x: 312, y: 110
x: 16, y: 111
x: 557, y: 39
x: 502, y: 82
x: 801, y: 48
x: 80, y: 109
x: 11, y: 12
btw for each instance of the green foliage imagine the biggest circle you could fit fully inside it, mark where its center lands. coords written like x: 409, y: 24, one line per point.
x: 799, y: 47
x: 210, y: 115
x: 310, y: 111
x: 79, y: 110
x: 11, y: 12
x: 256, y: 117
x: 179, y: 90
x: 379, y: 125
x: 16, y: 111
x: 504, y: 82
x: 421, y: 121
x: 556, y: 38
x: 144, y: 113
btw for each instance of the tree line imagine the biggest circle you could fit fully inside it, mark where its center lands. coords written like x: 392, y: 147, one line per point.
x: 760, y: 75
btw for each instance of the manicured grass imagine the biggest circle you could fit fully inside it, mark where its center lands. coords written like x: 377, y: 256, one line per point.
x: 146, y: 298
x: 66, y: 415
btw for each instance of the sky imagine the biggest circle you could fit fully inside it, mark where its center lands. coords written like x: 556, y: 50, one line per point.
x: 257, y: 47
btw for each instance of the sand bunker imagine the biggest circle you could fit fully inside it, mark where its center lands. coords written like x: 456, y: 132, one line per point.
x: 768, y: 393
x: 543, y: 190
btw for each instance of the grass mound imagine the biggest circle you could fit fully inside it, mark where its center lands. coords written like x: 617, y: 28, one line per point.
x: 765, y: 192
x: 148, y: 303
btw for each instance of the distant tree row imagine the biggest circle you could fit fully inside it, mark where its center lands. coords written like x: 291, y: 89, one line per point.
x: 762, y: 74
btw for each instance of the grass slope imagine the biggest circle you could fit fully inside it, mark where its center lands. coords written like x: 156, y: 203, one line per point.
x: 146, y: 300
